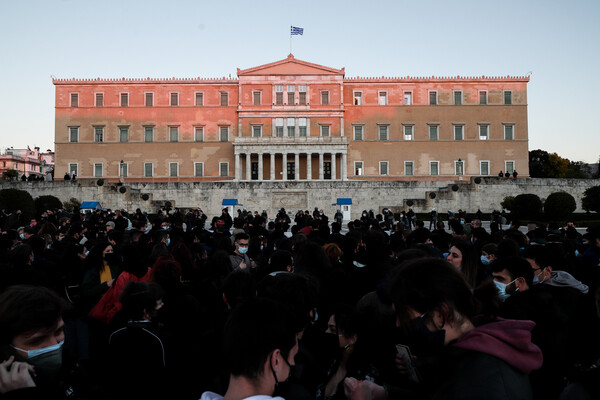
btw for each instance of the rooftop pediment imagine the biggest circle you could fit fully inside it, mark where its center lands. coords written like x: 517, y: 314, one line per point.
x: 290, y: 66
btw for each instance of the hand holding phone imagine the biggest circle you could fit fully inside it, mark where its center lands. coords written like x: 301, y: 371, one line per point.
x: 404, y: 362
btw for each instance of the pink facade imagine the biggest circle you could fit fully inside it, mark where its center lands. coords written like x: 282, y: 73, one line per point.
x: 27, y: 161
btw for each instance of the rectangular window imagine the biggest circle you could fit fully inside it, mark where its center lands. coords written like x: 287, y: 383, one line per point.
x: 73, y: 169
x: 148, y: 134
x: 74, y: 99
x: 325, y: 97
x: 483, y: 97
x: 199, y: 134
x: 302, y: 95
x: 458, y: 132
x: 173, y: 169
x: 199, y: 99
x: 224, y: 133
x: 302, y: 127
x: 99, y: 134
x: 73, y: 134
x: 358, y: 132
x: 509, y: 166
x: 407, y: 98
x: 509, y: 133
x: 124, y: 99
x: 408, y: 168
x: 198, y: 169
x: 458, y: 97
x: 325, y: 130
x: 256, y: 98
x: 434, y: 132
x: 484, y: 132
x: 508, y: 97
x: 383, y: 98
x: 174, y: 99
x: 290, y: 93
x: 383, y: 132
x: 149, y: 99
x: 279, y: 95
x: 173, y: 134
x: 484, y: 167
x: 383, y: 167
x: 223, y: 169
x: 408, y: 132
x: 358, y: 98
x: 256, y: 130
x: 224, y: 98
x: 358, y: 168
x: 279, y: 127
x: 434, y: 168
x: 148, y: 169
x: 432, y: 98
x: 98, y: 170
x: 291, y: 127
x: 99, y: 99
x: 124, y: 170
x: 123, y: 134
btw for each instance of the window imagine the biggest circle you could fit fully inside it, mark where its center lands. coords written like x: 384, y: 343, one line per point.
x: 99, y: 134
x: 484, y: 131
x: 358, y: 98
x: 224, y: 133
x: 459, y: 167
x: 383, y: 167
x: 408, y: 132
x: 199, y: 98
x: 199, y: 134
x: 279, y: 95
x: 325, y: 130
x: 173, y: 134
x: 224, y: 98
x: 302, y: 95
x: 509, y: 133
x: 149, y: 99
x: 358, y: 168
x: 74, y: 99
x: 358, y: 132
x: 434, y: 168
x: 383, y: 132
x: 508, y: 97
x: 432, y: 98
x: 98, y: 170
x: 148, y: 170
x: 408, y: 168
x: 383, y: 98
x: 302, y: 127
x: 198, y: 169
x: 124, y: 99
x: 223, y: 169
x: 174, y: 99
x: 279, y: 127
x: 173, y: 169
x: 483, y: 97
x: 256, y: 98
x: 484, y: 167
x: 256, y: 130
x: 73, y: 134
x: 325, y: 97
x: 408, y: 98
x: 73, y: 169
x: 291, y: 127
x: 124, y: 170
x: 148, y: 134
x: 99, y: 99
x: 123, y: 134
x: 290, y: 93
x: 434, y: 132
x: 509, y: 166
x: 458, y: 132
x: 458, y: 97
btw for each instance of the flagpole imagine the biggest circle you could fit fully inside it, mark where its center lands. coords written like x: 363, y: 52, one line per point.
x: 290, y: 41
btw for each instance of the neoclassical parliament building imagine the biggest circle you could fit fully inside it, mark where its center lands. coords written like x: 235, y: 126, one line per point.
x: 291, y: 120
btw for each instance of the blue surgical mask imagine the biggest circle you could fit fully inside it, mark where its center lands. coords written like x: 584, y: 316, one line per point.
x: 243, y: 250
x: 39, y: 352
x: 22, y: 236
x: 502, y: 289
x: 168, y: 241
x: 484, y: 260
x: 262, y: 248
x: 576, y: 253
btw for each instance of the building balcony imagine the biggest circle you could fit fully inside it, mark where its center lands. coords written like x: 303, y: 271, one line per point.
x: 295, y: 140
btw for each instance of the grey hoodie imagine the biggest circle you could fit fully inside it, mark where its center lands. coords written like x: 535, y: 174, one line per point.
x: 564, y: 279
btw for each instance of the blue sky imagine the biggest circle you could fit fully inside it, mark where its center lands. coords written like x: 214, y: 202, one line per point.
x: 557, y: 41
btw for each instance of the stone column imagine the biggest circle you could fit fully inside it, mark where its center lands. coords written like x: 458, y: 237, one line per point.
x: 260, y: 166
x: 297, y: 166
x: 248, y: 166
x: 333, y: 174
x: 308, y: 166
x: 321, y: 175
x: 237, y: 166
x: 284, y: 166
x: 272, y: 166
x: 344, y: 176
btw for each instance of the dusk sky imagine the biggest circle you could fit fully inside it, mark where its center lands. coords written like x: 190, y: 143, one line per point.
x: 557, y: 42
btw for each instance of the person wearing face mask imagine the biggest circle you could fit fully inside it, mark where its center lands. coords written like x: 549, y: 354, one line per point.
x: 239, y: 258
x: 101, y: 271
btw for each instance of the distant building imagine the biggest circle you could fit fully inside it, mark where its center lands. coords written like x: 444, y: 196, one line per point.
x: 28, y: 162
x: 291, y: 120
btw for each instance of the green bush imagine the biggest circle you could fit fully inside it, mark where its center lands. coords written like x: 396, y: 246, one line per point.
x: 508, y: 203
x: 591, y: 199
x: 44, y: 203
x: 14, y: 199
x: 527, y: 206
x: 71, y: 204
x: 559, y: 205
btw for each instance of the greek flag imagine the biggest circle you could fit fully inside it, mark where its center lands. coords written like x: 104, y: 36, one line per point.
x: 296, y: 31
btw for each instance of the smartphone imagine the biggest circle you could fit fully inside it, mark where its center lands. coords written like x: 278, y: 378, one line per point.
x: 404, y: 352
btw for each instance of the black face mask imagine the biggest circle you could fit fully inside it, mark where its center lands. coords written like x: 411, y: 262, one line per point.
x: 281, y: 386
x: 111, y: 258
x: 425, y: 341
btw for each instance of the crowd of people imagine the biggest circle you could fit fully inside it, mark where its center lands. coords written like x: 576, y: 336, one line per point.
x: 111, y: 304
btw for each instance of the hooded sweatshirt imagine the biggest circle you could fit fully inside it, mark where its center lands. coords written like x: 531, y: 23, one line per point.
x: 564, y: 279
